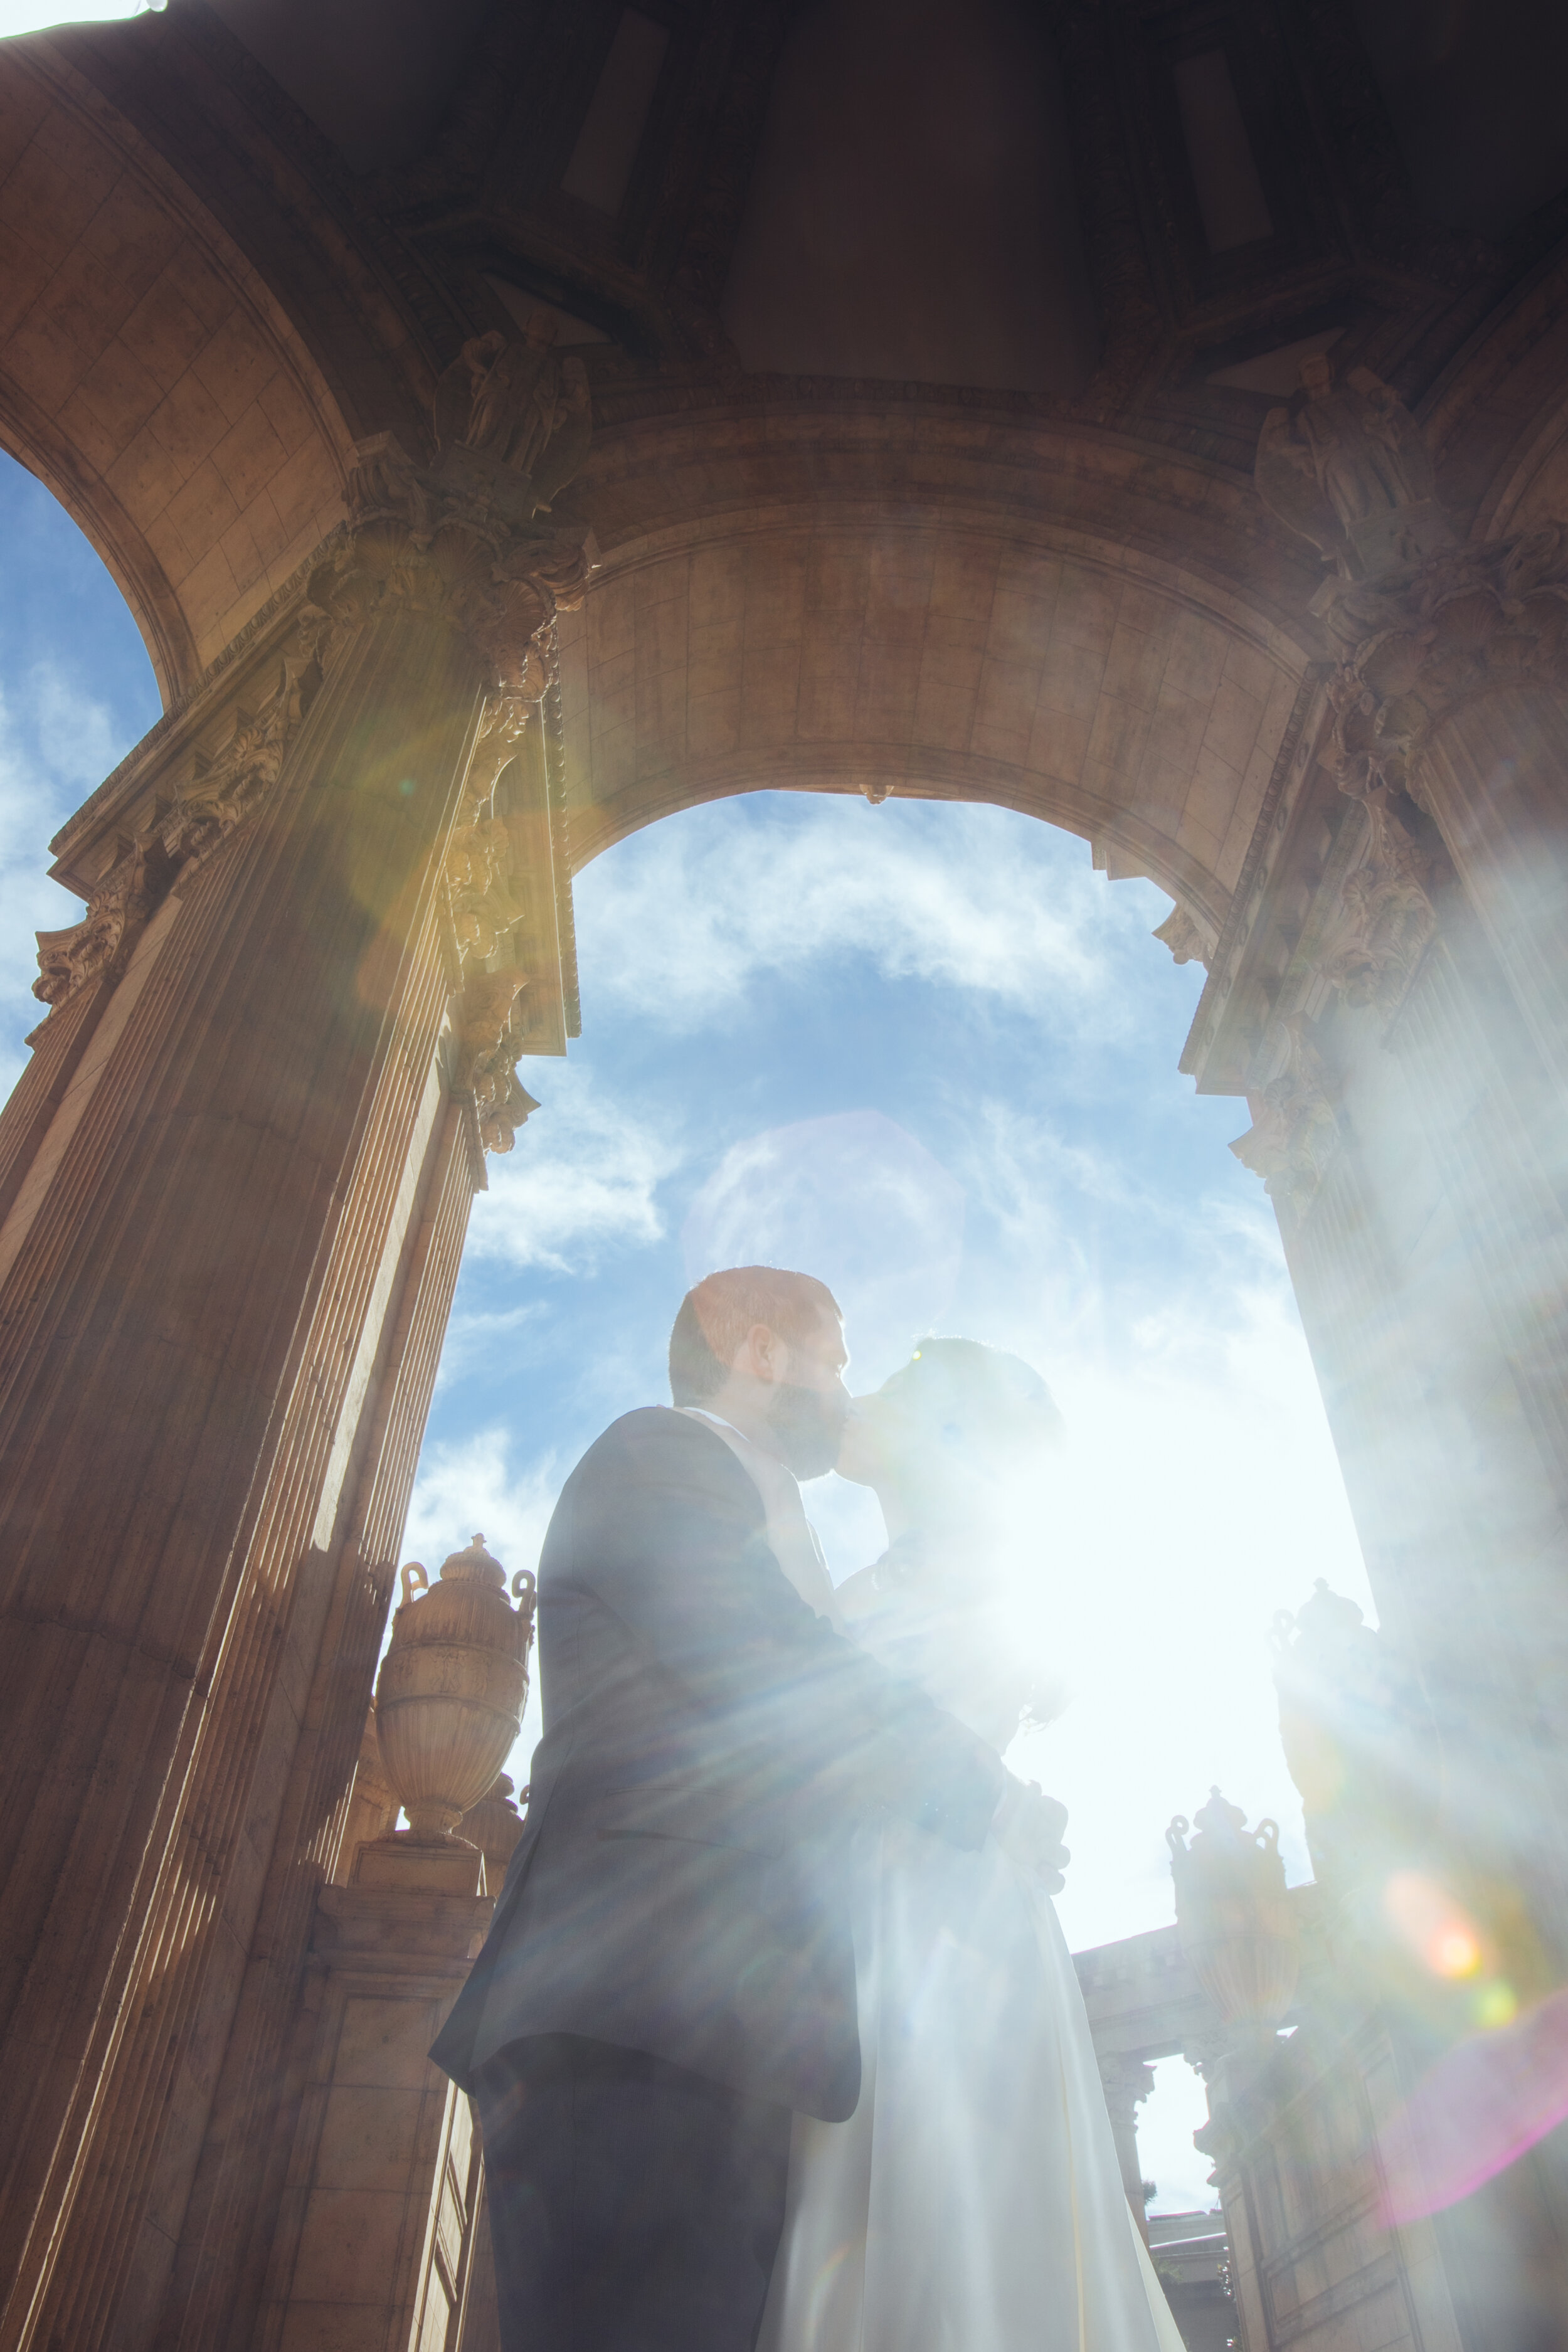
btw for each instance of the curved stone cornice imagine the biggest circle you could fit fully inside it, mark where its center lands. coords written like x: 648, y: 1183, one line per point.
x: 652, y: 481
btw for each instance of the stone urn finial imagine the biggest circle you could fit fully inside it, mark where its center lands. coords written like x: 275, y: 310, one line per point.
x: 452, y: 1688
x: 1237, y: 1924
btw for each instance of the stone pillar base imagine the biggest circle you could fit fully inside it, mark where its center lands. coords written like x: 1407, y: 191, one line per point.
x: 402, y: 1862
x: 376, y: 2236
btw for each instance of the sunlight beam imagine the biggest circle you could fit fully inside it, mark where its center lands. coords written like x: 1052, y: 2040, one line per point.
x: 17, y: 16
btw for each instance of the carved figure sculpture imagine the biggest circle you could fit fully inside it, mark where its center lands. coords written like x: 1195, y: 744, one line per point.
x: 1345, y: 467
x: 509, y: 399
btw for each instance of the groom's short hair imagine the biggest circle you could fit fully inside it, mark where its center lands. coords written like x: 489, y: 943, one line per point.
x: 717, y: 1312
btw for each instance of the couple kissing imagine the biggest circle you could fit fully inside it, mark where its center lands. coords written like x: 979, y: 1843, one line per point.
x: 774, y: 2038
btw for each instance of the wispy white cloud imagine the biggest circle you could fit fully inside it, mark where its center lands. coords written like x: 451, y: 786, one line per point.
x: 480, y: 1336
x: 76, y: 737
x: 685, y: 928
x: 471, y: 1484
x: 581, y: 1181
x: 1195, y: 1495
x: 854, y: 1199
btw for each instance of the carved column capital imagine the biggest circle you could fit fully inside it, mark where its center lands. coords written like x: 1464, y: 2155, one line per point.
x: 1467, y: 621
x: 1127, y: 2082
x: 459, y: 542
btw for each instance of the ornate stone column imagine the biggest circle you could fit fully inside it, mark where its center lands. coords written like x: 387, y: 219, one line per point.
x: 1390, y: 991
x: 1127, y: 2082
x: 237, y: 1173
x: 378, y: 2229
x: 1454, y: 694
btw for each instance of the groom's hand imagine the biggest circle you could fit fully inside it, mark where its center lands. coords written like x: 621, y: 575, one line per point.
x: 1029, y: 1827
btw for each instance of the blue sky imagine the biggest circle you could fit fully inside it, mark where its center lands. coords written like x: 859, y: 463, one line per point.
x: 929, y: 1054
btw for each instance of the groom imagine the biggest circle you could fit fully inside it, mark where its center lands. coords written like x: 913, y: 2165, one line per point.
x: 669, y: 1971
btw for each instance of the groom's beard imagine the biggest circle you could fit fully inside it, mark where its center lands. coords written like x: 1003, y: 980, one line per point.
x: 807, y: 1427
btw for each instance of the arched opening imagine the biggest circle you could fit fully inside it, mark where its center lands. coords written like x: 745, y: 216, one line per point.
x: 930, y: 1053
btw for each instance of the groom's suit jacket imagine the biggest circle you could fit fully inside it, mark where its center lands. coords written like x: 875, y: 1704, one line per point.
x: 707, y: 1739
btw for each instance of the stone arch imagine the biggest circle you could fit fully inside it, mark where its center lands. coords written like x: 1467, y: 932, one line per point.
x: 148, y: 375
x: 949, y: 645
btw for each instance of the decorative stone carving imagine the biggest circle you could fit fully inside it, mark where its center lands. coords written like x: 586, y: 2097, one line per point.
x: 226, y: 786
x: 222, y: 792
x: 458, y: 543
x: 486, y: 1042
x: 1471, y: 620
x: 116, y: 914
x: 1128, y: 2082
x: 1238, y: 1927
x: 485, y: 906
x: 1345, y: 467
x: 1388, y: 917
x: 1295, y: 1133
x: 489, y: 900
x: 370, y: 1773
x: 1188, y: 941
x: 452, y: 1687
x: 512, y: 425
x: 1339, y: 1720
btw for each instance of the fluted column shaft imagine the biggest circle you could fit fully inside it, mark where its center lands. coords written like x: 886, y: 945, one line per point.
x: 1494, y: 777
x: 199, y: 1285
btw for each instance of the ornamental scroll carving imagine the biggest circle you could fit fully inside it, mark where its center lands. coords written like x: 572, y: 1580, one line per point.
x: 462, y: 539
x: 1386, y: 916
x: 1468, y: 621
x: 449, y: 544
x: 1188, y: 941
x: 219, y: 795
x: 1295, y: 1133
x: 489, y: 1030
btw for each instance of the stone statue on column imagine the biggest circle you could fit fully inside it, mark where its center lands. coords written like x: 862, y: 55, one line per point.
x: 509, y: 407
x: 1345, y: 467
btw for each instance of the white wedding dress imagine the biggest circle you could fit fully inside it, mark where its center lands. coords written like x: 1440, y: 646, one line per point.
x: 973, y: 2202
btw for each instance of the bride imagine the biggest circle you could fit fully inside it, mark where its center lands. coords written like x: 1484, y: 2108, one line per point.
x: 973, y: 2203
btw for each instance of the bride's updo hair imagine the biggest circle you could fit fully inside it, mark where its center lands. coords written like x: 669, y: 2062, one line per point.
x: 987, y: 1407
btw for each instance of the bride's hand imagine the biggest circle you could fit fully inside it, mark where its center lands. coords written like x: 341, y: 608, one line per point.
x: 1029, y: 1827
